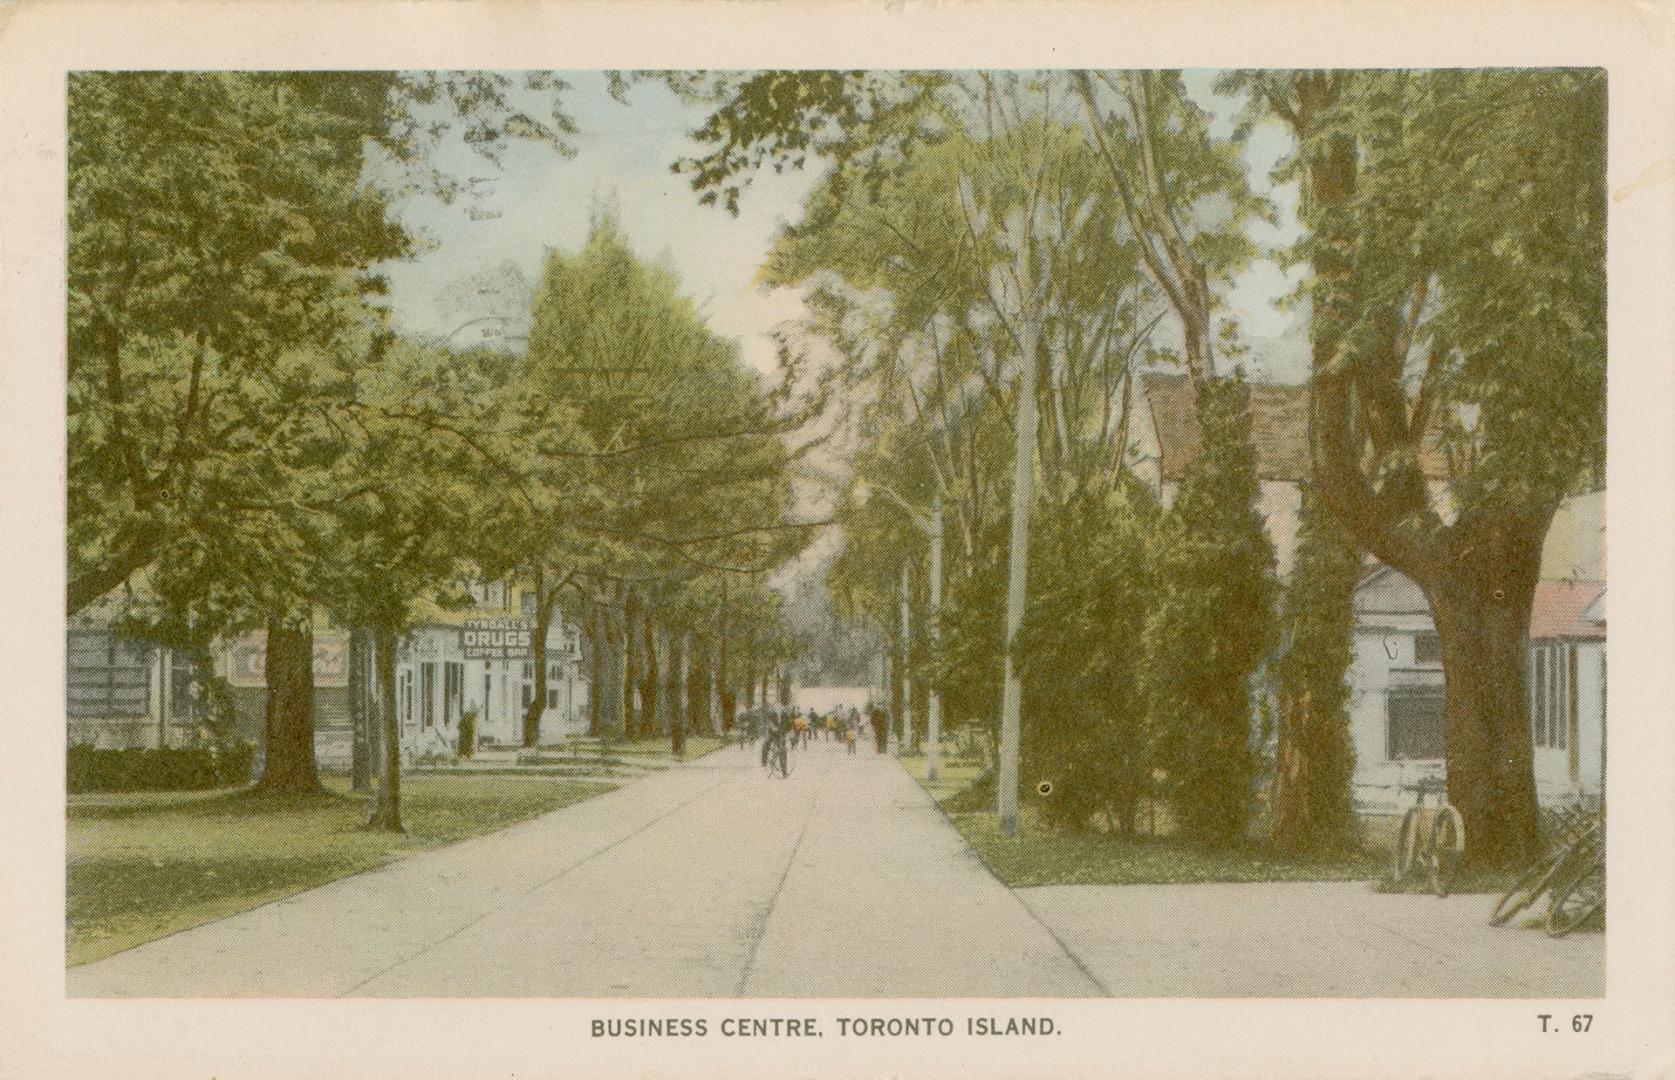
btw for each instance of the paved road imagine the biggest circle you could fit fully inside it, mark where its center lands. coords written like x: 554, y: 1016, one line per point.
x: 712, y: 880
x: 708, y: 880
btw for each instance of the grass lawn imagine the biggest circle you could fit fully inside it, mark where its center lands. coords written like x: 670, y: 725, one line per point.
x: 145, y: 865
x: 1037, y: 856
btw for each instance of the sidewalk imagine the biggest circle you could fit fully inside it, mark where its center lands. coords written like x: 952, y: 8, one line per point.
x: 709, y: 879
x: 1325, y: 939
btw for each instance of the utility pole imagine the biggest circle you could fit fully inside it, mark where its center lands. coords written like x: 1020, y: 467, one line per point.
x: 906, y: 678
x: 934, y: 719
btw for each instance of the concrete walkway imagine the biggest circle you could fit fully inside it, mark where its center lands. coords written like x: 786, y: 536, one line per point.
x: 707, y: 880
x: 1324, y: 939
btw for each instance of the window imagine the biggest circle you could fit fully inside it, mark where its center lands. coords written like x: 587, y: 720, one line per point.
x: 528, y: 670
x: 106, y: 676
x: 1552, y: 668
x: 453, y: 691
x: 552, y: 697
x: 527, y: 604
x: 1538, y: 697
x: 1414, y: 713
x: 404, y: 685
x: 1427, y: 649
x: 427, y: 690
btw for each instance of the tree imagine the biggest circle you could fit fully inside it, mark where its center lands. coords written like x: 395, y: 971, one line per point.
x: 220, y: 237
x: 401, y: 539
x: 1167, y: 170
x: 1457, y: 244
x: 1314, y: 758
x: 1212, y: 625
x: 967, y: 196
x: 217, y: 225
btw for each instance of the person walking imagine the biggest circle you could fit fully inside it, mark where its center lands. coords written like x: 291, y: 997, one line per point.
x: 880, y: 727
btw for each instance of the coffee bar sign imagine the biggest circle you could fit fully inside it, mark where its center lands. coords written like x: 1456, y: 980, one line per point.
x: 498, y: 639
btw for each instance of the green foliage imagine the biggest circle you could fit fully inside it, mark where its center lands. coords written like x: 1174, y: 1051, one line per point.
x: 1092, y: 586
x: 1315, y: 757
x: 1212, y: 625
x: 169, y: 768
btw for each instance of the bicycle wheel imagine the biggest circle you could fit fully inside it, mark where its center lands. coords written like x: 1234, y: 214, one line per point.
x: 1447, y: 847
x: 1407, y: 845
x: 1578, y: 901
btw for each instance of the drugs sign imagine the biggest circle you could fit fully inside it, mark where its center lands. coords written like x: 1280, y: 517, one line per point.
x: 497, y: 639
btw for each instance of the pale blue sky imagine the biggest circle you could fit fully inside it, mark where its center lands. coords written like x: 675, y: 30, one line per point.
x: 623, y: 157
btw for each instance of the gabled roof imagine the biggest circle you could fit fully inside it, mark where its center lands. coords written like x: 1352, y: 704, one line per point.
x: 1279, y: 429
x: 1561, y: 610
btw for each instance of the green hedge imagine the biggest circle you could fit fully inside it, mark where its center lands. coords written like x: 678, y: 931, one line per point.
x: 167, y: 769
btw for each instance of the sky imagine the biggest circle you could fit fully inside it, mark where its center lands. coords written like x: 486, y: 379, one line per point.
x: 536, y: 200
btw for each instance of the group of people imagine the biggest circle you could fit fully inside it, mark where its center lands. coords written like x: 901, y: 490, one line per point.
x: 798, y: 727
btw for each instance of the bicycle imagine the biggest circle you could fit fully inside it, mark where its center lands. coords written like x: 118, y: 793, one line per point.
x: 1445, y: 838
x: 1572, y: 870
x: 776, y: 755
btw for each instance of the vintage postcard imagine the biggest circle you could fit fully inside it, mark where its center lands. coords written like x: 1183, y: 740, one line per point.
x: 680, y: 541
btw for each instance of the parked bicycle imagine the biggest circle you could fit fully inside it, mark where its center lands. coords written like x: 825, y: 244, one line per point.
x: 1571, y: 873
x: 1430, y: 836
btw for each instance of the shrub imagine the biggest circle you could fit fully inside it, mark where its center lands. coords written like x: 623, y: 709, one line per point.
x: 89, y: 768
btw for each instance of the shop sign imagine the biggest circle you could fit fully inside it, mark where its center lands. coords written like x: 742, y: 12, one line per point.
x: 498, y: 639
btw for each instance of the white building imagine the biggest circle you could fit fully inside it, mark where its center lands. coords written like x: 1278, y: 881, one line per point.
x: 479, y: 659
x: 1396, y: 691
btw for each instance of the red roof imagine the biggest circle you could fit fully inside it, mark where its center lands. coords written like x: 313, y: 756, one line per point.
x: 1279, y: 429
x: 1558, y: 608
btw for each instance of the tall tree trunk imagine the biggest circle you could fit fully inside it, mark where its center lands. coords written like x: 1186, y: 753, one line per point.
x: 596, y: 671
x: 723, y: 683
x: 362, y: 710
x: 288, y: 760
x: 545, y: 604
x: 698, y: 686
x: 1482, y: 608
x: 386, y: 804
x: 632, y: 715
x: 677, y: 692
x: 750, y: 670
x: 648, y: 670
x: 611, y: 717
x: 1017, y: 559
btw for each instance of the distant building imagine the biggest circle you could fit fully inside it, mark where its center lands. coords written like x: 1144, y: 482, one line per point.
x: 121, y: 692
